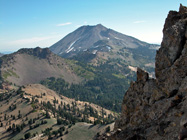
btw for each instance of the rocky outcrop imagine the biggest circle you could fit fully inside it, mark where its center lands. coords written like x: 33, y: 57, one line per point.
x: 155, y: 109
x: 38, y: 52
x: 171, y: 58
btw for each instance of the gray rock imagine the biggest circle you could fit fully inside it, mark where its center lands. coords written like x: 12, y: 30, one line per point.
x: 155, y: 109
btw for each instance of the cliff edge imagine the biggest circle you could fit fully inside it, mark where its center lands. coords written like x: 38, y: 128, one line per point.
x: 156, y: 109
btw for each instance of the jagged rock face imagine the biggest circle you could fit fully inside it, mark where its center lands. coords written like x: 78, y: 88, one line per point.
x: 171, y: 57
x: 155, y: 109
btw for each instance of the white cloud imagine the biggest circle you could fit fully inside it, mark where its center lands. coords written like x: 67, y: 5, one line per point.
x: 29, y: 40
x: 139, y: 21
x: 64, y: 24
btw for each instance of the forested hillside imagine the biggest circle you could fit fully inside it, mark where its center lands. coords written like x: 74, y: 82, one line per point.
x: 105, y: 89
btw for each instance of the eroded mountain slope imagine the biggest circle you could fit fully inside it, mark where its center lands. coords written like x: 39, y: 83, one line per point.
x: 33, y: 65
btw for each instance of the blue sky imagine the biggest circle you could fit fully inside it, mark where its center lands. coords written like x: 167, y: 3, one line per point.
x: 31, y: 23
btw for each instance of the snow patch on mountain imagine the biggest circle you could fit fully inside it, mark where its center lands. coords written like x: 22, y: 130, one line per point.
x: 109, y: 48
x: 70, y: 48
x: 94, y: 52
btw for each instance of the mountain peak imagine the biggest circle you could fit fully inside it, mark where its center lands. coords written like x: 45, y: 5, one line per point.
x: 100, y: 26
x: 95, y: 38
x: 182, y: 9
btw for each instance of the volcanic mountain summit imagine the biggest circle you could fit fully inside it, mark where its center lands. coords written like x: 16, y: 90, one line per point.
x: 95, y: 39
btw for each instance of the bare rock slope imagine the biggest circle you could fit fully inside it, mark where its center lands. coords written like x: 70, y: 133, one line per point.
x: 155, y: 109
x: 29, y: 66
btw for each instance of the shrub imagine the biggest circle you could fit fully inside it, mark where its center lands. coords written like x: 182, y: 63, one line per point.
x: 27, y: 135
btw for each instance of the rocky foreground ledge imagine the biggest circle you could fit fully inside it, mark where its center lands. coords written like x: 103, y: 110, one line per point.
x: 156, y: 109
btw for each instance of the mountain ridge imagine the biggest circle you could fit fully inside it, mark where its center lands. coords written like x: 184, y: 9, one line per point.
x: 28, y: 66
